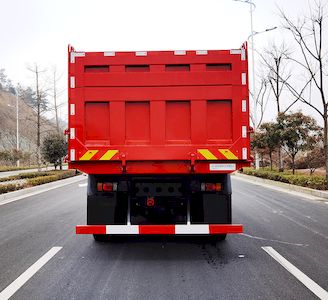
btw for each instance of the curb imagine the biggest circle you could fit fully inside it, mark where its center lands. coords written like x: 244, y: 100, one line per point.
x: 286, y: 186
x: 27, y: 192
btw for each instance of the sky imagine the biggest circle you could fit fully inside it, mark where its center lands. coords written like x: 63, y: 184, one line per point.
x: 38, y: 31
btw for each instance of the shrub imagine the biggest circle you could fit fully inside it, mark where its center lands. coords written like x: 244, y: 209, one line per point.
x: 45, y: 177
x: 50, y: 176
x: 10, y: 187
x: 315, y: 182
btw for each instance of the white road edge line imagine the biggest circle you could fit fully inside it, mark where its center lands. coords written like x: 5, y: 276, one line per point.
x: 24, y: 277
x: 83, y: 184
x: 307, y: 281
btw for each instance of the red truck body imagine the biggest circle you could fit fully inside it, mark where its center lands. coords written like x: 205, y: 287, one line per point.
x: 158, y: 112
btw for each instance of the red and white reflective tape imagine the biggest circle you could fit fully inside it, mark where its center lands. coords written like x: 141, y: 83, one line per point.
x: 160, y: 229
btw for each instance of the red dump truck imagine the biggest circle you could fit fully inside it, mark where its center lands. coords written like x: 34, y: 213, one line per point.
x: 158, y: 133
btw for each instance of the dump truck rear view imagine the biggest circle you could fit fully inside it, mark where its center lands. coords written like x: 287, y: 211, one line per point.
x: 159, y: 134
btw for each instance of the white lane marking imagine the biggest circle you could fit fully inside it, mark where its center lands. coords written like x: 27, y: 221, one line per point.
x: 24, y: 277
x: 76, y: 179
x: 307, y: 281
x: 83, y: 184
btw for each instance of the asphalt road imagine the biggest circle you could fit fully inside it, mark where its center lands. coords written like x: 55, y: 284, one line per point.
x: 165, y: 267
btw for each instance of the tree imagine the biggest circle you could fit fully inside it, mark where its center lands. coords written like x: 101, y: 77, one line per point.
x: 39, y: 104
x: 307, y: 32
x: 312, y: 159
x: 54, y: 148
x: 267, y: 138
x: 3, y: 79
x: 275, y: 62
x: 298, y: 133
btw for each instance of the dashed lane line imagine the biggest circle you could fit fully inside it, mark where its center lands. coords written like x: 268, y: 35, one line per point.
x: 24, y: 277
x: 307, y: 281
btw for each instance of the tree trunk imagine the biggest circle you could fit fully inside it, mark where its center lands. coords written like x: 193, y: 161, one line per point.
x: 325, y: 141
x: 270, y: 155
x: 280, y: 160
x: 293, y: 164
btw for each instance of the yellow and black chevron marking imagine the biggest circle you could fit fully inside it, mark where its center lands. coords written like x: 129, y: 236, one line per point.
x: 109, y: 155
x: 228, y: 154
x: 207, y: 154
x: 89, y: 154
x: 211, y: 156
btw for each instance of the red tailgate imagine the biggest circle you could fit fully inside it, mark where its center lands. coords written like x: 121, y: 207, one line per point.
x: 158, y: 112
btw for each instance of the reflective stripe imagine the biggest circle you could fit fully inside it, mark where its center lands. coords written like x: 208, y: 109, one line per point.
x: 243, y: 105
x: 243, y: 78
x: 244, y: 153
x: 109, y: 155
x: 89, y: 154
x: 160, y: 229
x: 228, y: 154
x: 72, y: 154
x: 76, y: 54
x: 201, y: 52
x: 207, y: 154
x: 109, y: 53
x: 72, y: 134
x: 179, y: 52
x: 244, y: 132
x: 141, y: 53
x: 122, y: 229
x: 72, y: 82
x: 192, y: 229
x: 72, y: 109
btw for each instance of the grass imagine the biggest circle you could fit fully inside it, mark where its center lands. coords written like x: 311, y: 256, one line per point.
x: 34, y: 179
x: 310, y: 181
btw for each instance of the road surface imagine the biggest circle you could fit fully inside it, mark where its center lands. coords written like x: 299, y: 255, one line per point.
x: 165, y: 267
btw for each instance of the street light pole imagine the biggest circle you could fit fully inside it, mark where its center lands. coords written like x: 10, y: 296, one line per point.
x: 252, y: 7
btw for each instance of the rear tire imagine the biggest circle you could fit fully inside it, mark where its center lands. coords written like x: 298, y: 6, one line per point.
x: 217, y: 238
x: 101, y: 238
x: 221, y: 237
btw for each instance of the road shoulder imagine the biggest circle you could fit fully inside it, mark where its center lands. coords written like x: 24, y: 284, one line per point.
x: 285, y: 187
x: 27, y: 192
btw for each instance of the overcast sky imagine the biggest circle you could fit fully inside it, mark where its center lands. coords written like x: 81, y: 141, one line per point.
x: 40, y: 30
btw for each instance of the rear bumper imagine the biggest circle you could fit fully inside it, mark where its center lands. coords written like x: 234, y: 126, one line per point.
x: 204, y: 229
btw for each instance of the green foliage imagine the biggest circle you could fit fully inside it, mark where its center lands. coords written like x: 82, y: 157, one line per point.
x: 298, y: 133
x: 312, y: 160
x: 53, y: 176
x: 54, y: 148
x: 36, y: 178
x: 267, y: 139
x: 6, y: 188
x: 11, y: 156
x: 314, y: 182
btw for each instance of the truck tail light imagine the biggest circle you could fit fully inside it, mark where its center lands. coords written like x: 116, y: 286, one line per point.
x: 107, y: 186
x: 211, y: 187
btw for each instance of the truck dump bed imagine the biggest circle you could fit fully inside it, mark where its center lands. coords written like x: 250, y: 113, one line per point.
x: 158, y: 112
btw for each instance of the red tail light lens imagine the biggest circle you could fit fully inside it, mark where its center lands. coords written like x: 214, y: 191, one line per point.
x: 107, y: 186
x: 211, y: 187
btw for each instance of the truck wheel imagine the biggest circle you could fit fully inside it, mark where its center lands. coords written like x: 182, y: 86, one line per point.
x: 217, y: 238
x: 101, y: 237
x: 221, y: 237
